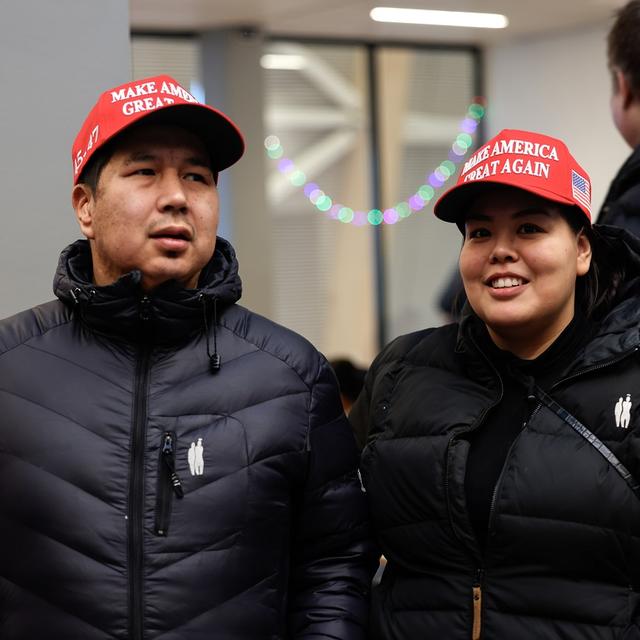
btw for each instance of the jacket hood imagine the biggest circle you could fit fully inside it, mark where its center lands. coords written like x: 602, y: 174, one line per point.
x: 619, y: 330
x: 170, y: 311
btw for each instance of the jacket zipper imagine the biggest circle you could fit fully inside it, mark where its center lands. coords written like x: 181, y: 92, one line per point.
x: 477, y: 422
x: 476, y: 628
x: 595, y: 367
x: 136, y: 482
x: 476, y: 588
x: 168, y: 483
x: 454, y: 436
x: 494, y: 496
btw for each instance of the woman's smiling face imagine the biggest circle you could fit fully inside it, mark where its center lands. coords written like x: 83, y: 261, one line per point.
x: 519, y: 264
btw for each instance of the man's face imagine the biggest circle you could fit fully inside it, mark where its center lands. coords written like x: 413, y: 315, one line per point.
x: 621, y: 103
x: 155, y: 209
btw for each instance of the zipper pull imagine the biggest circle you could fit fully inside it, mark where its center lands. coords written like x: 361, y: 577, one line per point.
x: 167, y: 445
x: 477, y: 607
x: 145, y: 308
x: 168, y: 458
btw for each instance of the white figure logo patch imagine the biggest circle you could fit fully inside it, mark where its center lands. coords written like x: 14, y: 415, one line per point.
x: 623, y: 411
x: 196, y: 458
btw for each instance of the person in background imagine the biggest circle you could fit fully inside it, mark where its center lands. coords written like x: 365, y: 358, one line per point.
x: 501, y: 454
x: 621, y: 205
x: 172, y: 465
x: 451, y: 298
x: 350, y: 381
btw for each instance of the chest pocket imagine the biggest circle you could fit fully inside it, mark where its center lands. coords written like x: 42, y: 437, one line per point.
x: 623, y: 415
x: 210, y: 461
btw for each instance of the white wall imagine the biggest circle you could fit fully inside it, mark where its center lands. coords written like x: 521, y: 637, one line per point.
x: 55, y: 57
x: 559, y: 85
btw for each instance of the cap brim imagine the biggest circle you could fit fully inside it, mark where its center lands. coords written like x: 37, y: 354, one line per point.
x: 453, y: 204
x: 221, y: 136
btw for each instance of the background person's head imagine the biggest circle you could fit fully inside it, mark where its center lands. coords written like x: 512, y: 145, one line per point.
x: 623, y: 52
x: 145, y: 164
x: 350, y: 381
x: 523, y: 204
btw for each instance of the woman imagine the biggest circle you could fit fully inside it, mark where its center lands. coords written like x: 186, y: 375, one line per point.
x: 502, y: 454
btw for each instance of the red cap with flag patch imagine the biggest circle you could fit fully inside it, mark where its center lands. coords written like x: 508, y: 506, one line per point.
x: 525, y: 160
x: 160, y: 100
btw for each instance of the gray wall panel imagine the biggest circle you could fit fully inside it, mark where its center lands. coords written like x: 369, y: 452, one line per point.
x: 55, y: 58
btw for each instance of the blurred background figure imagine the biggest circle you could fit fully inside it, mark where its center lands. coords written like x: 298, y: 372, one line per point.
x: 452, y: 297
x: 350, y: 379
x: 621, y: 206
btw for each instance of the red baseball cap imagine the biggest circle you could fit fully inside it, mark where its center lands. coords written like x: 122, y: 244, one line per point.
x: 159, y: 99
x: 525, y: 160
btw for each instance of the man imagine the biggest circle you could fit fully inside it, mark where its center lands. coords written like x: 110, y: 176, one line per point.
x: 622, y: 204
x: 171, y: 464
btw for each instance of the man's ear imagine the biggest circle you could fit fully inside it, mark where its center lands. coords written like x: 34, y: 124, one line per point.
x: 83, y: 200
x: 623, y: 87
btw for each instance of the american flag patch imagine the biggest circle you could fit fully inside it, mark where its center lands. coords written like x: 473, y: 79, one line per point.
x: 581, y: 190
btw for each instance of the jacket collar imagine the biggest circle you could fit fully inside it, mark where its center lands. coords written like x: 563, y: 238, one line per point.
x: 169, y: 314
x: 627, y: 177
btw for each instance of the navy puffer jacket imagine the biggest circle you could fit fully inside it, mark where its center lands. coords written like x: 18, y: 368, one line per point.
x: 143, y: 496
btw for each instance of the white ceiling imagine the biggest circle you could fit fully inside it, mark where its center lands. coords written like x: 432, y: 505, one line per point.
x: 350, y: 18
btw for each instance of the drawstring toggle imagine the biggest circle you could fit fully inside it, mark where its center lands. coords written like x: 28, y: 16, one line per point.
x: 215, y: 361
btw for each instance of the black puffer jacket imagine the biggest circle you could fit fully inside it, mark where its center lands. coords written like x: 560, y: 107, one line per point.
x: 621, y: 206
x: 109, y: 411
x: 562, y: 558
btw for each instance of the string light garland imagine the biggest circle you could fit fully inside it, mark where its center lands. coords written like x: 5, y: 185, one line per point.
x: 416, y: 202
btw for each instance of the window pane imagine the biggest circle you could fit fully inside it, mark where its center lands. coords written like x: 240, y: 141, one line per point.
x: 423, y: 95
x: 317, y: 106
x: 176, y: 56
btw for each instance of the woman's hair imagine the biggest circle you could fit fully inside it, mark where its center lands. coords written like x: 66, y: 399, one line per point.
x: 596, y: 291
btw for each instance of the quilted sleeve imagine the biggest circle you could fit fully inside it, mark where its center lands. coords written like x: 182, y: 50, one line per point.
x: 333, y: 558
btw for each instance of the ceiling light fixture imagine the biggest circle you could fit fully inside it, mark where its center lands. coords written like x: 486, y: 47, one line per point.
x: 439, y: 18
x: 282, y: 61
